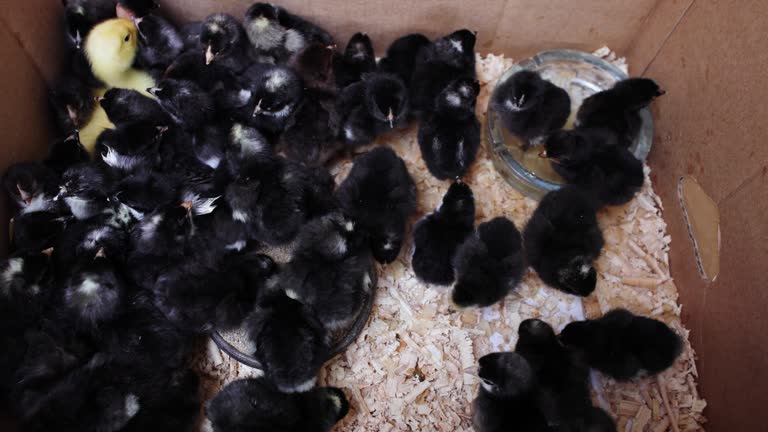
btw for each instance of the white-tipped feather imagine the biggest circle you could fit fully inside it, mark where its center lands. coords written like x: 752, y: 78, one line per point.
x: 200, y: 206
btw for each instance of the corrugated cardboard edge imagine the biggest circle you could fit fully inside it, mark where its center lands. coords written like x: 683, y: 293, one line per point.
x: 698, y: 220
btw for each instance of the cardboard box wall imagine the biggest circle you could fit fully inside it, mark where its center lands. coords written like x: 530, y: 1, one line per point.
x: 710, y: 56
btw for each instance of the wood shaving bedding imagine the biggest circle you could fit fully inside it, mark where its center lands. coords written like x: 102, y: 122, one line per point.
x: 413, y: 368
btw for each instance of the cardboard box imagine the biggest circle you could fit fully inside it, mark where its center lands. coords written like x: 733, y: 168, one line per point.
x: 709, y: 55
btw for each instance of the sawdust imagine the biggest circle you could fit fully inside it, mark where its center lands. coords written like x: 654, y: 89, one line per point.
x: 413, y: 367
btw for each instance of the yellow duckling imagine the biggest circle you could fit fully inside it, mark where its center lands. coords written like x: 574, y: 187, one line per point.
x: 111, y: 49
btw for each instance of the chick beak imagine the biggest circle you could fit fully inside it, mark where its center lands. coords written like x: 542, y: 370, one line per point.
x: 75, y: 135
x: 161, y: 130
x: 98, y: 99
x: 100, y: 253
x: 154, y: 91
x: 72, y: 113
x: 257, y: 110
x: 48, y: 251
x: 209, y: 55
x: 188, y: 206
x: 26, y: 197
x: 661, y: 92
x: 391, y: 118
x: 78, y: 39
x: 543, y: 154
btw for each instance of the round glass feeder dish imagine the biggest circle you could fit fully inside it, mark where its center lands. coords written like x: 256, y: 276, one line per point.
x: 581, y: 75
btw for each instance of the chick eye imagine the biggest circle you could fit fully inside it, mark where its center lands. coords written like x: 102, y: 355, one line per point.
x: 127, y: 37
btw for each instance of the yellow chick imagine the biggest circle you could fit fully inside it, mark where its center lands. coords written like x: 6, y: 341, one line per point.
x: 111, y: 49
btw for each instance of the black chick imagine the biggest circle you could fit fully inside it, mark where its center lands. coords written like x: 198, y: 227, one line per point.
x: 314, y: 64
x: 185, y: 102
x: 310, y: 135
x: 254, y: 404
x: 82, y: 15
x: 618, y: 109
x: 332, y: 270
x: 358, y: 59
x: 65, y: 153
x: 32, y: 186
x: 72, y: 102
x: 530, y: 106
x: 563, y: 239
x: 168, y: 400
x: 450, y: 136
x: 489, y: 264
x: 38, y: 230
x: 191, y: 66
x: 437, y: 237
x: 275, y: 92
x: 224, y: 43
x: 289, y: 341
x: 506, y: 399
x: 624, y: 345
x: 25, y: 294
x: 266, y: 200
x: 94, y: 293
x: 401, y: 56
x: 138, y: 8
x: 199, y: 298
x: 379, y: 195
x: 159, y: 42
x: 277, y: 35
x: 246, y: 146
x: 563, y: 378
x: 144, y: 191
x: 591, y: 160
x: 372, y: 106
x: 437, y: 65
x: 129, y: 106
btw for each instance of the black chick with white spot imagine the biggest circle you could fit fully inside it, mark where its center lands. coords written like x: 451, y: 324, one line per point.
x: 624, y: 345
x: 449, y: 137
x: 332, y: 270
x: 129, y: 148
x: 437, y: 65
x: 254, y: 404
x: 376, y: 104
x: 591, y: 160
x: 277, y: 35
x: 401, y: 56
x: 379, y: 195
x: 82, y: 15
x: 489, y: 264
x: 225, y: 44
x: 95, y: 293
x: 530, y: 106
x: 506, y: 399
x: 31, y: 186
x: 618, y: 109
x: 25, y: 293
x: 129, y: 106
x: 289, y: 341
x: 563, y: 239
x: 275, y: 93
x: 437, y: 237
x: 85, y: 188
x: 358, y: 59
x: 563, y: 397
x: 159, y: 43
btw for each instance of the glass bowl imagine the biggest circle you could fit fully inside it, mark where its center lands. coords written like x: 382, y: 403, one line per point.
x: 581, y: 75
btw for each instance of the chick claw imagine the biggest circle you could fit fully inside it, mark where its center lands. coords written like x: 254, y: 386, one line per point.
x: 391, y: 119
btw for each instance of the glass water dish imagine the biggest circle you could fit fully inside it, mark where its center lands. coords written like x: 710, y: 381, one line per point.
x: 581, y: 75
